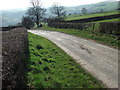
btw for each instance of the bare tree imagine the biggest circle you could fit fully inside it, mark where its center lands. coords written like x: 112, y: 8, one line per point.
x: 58, y: 10
x: 36, y: 12
x: 84, y: 11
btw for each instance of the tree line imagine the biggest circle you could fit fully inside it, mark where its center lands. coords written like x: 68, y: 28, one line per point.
x: 36, y: 14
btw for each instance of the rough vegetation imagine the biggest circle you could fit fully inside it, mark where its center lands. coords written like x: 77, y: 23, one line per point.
x: 14, y: 55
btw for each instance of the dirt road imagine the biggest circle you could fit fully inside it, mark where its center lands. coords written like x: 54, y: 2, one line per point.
x: 101, y: 61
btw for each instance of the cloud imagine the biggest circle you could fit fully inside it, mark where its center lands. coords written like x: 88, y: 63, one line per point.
x: 12, y: 4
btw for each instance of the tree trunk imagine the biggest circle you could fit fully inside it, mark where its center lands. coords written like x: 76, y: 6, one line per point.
x: 37, y: 20
x: 37, y: 23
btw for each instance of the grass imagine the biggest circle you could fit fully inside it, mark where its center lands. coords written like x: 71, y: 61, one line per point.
x: 106, y: 39
x: 50, y: 67
x: 81, y: 16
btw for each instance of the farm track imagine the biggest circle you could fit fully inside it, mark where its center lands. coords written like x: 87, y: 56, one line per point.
x: 101, y: 61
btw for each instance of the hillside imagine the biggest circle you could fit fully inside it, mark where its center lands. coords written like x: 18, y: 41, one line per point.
x: 106, y: 6
x: 11, y: 17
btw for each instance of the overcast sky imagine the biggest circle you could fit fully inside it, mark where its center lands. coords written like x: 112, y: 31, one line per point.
x: 14, y: 4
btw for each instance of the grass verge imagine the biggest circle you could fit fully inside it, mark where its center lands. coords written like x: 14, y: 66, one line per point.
x: 106, y: 39
x: 50, y: 67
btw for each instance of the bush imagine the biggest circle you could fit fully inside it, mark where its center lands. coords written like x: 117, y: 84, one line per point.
x: 27, y: 22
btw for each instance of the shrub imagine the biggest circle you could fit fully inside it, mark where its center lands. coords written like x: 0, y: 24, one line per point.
x: 27, y: 22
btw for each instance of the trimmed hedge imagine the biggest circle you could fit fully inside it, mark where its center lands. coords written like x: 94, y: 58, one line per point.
x: 15, y: 53
x: 80, y: 26
x: 110, y: 28
x: 9, y: 28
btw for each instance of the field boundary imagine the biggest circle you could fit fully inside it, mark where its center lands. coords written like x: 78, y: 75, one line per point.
x: 94, y: 18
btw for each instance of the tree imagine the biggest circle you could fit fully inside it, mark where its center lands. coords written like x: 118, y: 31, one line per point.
x: 36, y: 12
x: 118, y: 6
x: 84, y: 11
x: 27, y: 22
x: 101, y: 11
x: 58, y: 10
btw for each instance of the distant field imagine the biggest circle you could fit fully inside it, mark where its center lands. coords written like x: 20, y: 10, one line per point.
x: 81, y: 16
x: 51, y: 67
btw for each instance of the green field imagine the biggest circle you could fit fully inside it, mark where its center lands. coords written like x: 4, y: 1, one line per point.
x: 50, y: 67
x: 81, y: 16
x: 109, y: 20
x: 106, y: 39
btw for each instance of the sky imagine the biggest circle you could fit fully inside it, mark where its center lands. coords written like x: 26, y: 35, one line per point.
x: 14, y: 4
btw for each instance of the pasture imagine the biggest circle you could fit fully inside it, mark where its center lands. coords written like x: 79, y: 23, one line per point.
x: 81, y: 16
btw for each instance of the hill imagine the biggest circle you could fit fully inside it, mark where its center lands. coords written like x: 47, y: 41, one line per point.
x: 91, y: 8
x: 11, y: 17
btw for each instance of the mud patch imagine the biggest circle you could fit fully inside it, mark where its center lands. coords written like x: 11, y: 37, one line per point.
x: 84, y: 48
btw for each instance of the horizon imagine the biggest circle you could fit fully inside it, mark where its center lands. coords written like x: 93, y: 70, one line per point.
x: 20, y: 5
